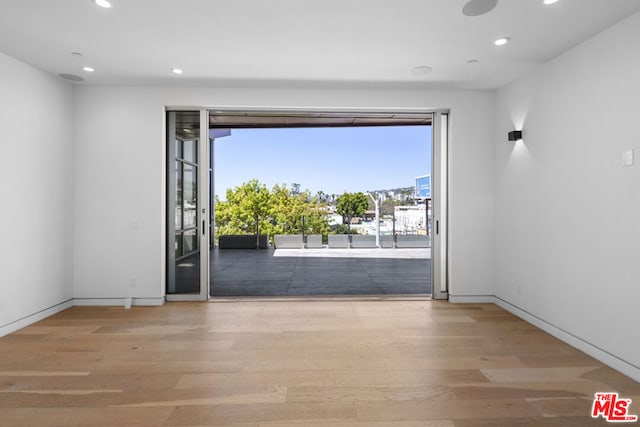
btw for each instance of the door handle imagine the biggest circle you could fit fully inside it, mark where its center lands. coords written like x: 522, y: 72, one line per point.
x: 437, y: 227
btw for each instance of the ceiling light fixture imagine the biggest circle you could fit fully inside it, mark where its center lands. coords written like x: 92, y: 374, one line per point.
x: 103, y: 3
x: 176, y: 71
x: 71, y: 77
x: 501, y: 41
x: 550, y: 1
x: 421, y: 70
x: 88, y: 69
x: 478, y: 7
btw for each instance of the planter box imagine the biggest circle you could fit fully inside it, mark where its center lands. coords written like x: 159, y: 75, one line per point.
x: 359, y: 241
x: 386, y: 241
x: 412, y: 241
x: 314, y: 241
x: 241, y: 241
x: 288, y: 241
x: 338, y: 241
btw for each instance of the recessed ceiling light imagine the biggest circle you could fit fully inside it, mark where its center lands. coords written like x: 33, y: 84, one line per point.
x: 549, y: 1
x: 176, y: 71
x: 88, y: 69
x: 421, y: 70
x: 501, y: 41
x: 103, y: 3
x: 478, y: 7
x: 71, y: 77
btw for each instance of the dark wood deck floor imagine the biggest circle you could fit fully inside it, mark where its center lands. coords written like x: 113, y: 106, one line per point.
x: 320, y: 272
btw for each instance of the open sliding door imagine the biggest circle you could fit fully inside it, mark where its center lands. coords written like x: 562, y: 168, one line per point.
x: 439, y: 270
x: 190, y: 187
x: 187, y: 206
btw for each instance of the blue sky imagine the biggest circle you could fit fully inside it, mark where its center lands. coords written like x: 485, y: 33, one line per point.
x: 333, y: 160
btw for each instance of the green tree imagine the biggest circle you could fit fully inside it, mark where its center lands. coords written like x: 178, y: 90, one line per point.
x: 316, y: 221
x: 278, y: 211
x: 350, y: 205
x: 288, y: 208
x: 246, y: 209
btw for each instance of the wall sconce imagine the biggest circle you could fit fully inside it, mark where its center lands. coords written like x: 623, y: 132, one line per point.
x: 515, y: 135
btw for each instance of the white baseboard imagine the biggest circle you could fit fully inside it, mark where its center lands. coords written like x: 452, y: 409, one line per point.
x: 597, y: 353
x: 50, y: 311
x: 35, y: 317
x: 106, y: 302
x: 608, y: 359
x: 472, y: 299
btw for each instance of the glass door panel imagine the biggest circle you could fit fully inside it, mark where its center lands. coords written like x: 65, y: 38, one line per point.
x: 184, y: 202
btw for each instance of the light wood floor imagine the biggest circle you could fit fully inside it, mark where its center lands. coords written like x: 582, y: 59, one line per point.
x: 277, y: 364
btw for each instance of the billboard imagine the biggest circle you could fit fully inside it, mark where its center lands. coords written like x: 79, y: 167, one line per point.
x: 423, y: 187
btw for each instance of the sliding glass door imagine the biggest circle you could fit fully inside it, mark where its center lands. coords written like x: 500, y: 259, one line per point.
x: 187, y: 206
x: 439, y: 270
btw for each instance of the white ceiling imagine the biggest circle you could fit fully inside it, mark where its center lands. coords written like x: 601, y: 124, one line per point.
x: 297, y: 42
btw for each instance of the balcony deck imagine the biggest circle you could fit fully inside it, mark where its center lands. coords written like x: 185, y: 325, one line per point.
x: 320, y: 272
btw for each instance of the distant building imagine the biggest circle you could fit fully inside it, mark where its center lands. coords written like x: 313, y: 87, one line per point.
x: 411, y: 219
x: 369, y: 215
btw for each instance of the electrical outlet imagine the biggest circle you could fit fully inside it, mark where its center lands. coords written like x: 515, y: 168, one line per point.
x: 627, y: 158
x: 133, y: 283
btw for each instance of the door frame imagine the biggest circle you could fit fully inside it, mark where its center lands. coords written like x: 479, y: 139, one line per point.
x: 441, y: 125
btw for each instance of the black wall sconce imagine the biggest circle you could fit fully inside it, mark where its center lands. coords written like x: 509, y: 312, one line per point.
x: 515, y: 135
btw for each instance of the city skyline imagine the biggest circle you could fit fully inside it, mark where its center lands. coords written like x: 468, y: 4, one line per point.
x: 331, y: 160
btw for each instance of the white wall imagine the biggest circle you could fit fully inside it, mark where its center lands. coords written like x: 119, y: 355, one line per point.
x: 36, y: 118
x: 119, y: 177
x: 567, y: 212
